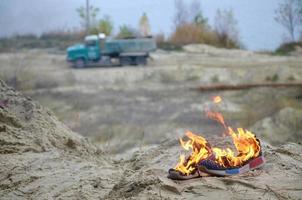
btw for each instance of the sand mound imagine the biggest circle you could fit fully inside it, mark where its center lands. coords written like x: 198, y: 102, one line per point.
x: 286, y: 125
x: 214, y: 51
x: 40, y: 158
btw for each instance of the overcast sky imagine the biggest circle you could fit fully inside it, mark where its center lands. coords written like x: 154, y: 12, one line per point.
x: 256, y: 24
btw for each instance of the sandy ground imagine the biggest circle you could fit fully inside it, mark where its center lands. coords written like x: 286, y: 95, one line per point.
x: 134, y: 106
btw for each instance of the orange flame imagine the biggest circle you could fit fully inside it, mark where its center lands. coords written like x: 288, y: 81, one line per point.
x: 217, y: 99
x: 245, y: 142
x: 217, y: 117
x: 200, y: 150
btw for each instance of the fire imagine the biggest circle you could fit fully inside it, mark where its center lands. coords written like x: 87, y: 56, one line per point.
x: 246, y: 144
x: 217, y: 99
x: 200, y: 150
x: 217, y: 117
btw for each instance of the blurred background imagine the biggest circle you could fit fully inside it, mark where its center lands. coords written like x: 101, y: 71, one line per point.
x: 198, y: 43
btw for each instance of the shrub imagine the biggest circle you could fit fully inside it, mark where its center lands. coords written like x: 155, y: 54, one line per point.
x: 164, y: 44
x: 62, y: 35
x: 192, y: 33
x: 126, y: 32
x: 159, y: 38
x: 273, y: 78
x: 286, y: 48
x: 215, y: 79
x: 291, y: 78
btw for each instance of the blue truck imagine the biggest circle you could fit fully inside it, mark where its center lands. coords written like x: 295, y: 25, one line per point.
x: 101, y: 51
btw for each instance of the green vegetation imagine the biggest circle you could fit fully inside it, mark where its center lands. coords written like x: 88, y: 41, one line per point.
x: 126, y: 32
x: 273, y: 78
x: 287, y: 48
x: 291, y: 78
x: 105, y: 26
x: 215, y: 79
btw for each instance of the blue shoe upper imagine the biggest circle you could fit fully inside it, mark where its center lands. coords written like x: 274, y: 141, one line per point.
x: 210, y: 164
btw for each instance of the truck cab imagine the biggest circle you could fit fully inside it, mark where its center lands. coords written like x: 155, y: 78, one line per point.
x: 81, y: 54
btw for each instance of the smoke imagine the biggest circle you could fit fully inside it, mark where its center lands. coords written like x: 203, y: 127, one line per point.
x: 36, y: 16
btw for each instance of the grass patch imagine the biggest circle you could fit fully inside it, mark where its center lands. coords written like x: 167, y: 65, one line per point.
x: 291, y: 78
x: 215, y: 79
x: 273, y: 78
x: 287, y: 48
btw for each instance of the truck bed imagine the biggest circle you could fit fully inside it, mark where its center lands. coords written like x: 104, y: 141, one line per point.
x: 122, y: 46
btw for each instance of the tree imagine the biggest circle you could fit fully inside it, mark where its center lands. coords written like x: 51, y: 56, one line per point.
x: 299, y: 6
x: 90, y: 22
x: 144, y: 26
x: 200, y: 20
x: 195, y: 9
x: 196, y: 14
x: 181, y: 14
x: 288, y: 15
x: 126, y: 32
x: 226, y: 28
x: 105, y: 26
x: 187, y: 14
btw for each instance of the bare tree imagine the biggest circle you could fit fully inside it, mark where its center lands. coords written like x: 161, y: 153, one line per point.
x: 299, y: 7
x: 88, y: 17
x: 181, y: 14
x: 188, y: 13
x: 226, y: 28
x: 196, y: 14
x: 195, y: 10
x: 288, y: 15
x: 299, y: 2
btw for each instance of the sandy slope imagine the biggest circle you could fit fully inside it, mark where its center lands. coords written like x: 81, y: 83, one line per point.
x: 40, y: 158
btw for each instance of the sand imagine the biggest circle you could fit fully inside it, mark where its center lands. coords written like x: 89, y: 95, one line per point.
x: 40, y: 158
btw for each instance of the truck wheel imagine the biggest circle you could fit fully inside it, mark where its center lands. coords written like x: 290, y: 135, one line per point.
x: 79, y: 63
x: 125, y: 61
x: 141, y: 60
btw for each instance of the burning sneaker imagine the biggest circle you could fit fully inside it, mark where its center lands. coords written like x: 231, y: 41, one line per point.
x: 177, y: 175
x: 246, y: 154
x: 212, y: 167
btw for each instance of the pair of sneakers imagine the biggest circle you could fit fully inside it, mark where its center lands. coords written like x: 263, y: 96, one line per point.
x: 209, y: 166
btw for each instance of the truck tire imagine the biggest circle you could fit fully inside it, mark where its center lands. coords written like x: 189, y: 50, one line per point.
x: 141, y: 60
x: 126, y: 60
x: 79, y: 63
